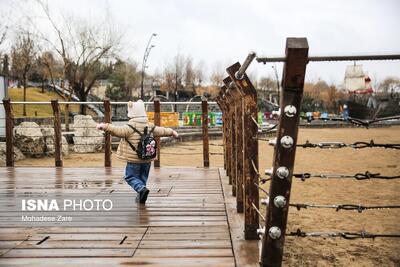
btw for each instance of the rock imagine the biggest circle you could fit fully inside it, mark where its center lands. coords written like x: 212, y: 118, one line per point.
x: 29, y: 139
x: 86, y: 138
x: 48, y: 136
x: 17, y: 154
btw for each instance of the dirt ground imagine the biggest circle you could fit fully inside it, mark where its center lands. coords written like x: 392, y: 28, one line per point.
x: 317, y: 251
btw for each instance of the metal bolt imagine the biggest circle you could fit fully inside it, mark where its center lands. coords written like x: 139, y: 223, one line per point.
x: 265, y: 201
x: 282, y: 172
x: 287, y: 141
x: 290, y: 111
x: 269, y: 171
x: 272, y: 142
x: 261, y: 231
x: 275, y: 232
x: 280, y: 201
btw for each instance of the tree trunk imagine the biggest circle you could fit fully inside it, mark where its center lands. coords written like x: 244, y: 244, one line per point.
x: 82, y: 98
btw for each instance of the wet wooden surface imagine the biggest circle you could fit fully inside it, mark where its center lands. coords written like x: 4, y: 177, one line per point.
x: 184, y: 222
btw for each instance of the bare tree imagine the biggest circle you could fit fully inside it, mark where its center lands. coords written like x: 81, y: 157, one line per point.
x: 85, y: 48
x: 23, y: 56
x: 189, y: 75
x: 217, y: 75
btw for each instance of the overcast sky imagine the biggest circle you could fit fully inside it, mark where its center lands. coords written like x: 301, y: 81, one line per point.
x: 224, y: 31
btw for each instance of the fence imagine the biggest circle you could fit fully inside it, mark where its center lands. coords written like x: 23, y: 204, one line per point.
x: 237, y: 100
x: 107, y: 106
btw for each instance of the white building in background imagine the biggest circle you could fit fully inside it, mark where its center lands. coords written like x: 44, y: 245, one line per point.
x: 3, y: 94
x: 356, y: 80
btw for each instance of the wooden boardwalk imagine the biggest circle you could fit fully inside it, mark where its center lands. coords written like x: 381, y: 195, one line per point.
x: 184, y: 222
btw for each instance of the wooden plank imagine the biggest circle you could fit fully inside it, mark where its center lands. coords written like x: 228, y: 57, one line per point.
x: 76, y: 244
x: 73, y: 253
x: 246, y: 251
x: 186, y: 236
x: 183, y: 253
x: 187, y: 244
x: 80, y: 236
x: 136, y: 261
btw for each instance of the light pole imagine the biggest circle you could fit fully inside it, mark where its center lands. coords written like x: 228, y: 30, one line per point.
x: 277, y: 83
x: 145, y: 57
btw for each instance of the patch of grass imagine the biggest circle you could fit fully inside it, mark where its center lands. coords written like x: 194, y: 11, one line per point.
x: 35, y: 94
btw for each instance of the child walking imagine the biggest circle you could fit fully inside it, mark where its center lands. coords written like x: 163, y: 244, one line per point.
x: 137, y: 169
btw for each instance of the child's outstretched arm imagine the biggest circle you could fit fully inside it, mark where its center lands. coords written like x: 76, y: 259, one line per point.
x: 161, y: 131
x: 119, y: 131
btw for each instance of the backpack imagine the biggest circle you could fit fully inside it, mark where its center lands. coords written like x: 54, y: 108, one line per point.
x: 147, y: 146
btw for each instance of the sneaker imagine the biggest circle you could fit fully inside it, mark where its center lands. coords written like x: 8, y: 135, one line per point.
x: 143, y: 195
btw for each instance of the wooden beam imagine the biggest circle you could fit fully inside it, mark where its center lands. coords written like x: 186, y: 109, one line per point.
x: 231, y: 94
x: 206, y: 149
x: 107, y: 135
x: 57, y: 133
x: 285, y: 151
x: 250, y: 152
x: 9, y: 133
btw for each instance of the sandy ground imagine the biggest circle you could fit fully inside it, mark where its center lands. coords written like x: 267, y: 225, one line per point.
x: 317, y: 251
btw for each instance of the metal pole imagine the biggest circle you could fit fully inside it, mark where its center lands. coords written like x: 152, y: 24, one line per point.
x: 145, y: 57
x: 285, y: 151
x: 239, y: 74
x: 334, y: 58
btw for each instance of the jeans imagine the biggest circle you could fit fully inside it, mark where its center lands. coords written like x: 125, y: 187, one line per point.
x: 136, y: 175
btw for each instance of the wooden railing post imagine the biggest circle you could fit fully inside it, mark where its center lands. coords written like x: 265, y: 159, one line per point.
x: 9, y: 133
x: 250, y: 153
x: 232, y: 138
x: 227, y: 127
x: 206, y: 150
x: 107, y: 136
x: 57, y: 133
x: 281, y: 181
x: 223, y: 109
x: 238, y: 157
x: 157, y: 122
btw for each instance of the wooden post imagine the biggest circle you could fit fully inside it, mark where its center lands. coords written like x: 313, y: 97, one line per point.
x: 157, y: 122
x: 227, y: 123
x: 233, y: 162
x: 206, y: 150
x: 223, y: 109
x: 238, y: 166
x: 250, y: 152
x: 57, y: 133
x: 9, y: 133
x: 285, y: 150
x: 107, y: 136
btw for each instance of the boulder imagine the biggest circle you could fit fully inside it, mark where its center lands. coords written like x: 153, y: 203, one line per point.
x: 86, y: 138
x: 17, y: 154
x: 29, y: 139
x: 48, y: 135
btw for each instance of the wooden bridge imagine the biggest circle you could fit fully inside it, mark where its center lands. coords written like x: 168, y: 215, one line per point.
x: 188, y: 220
